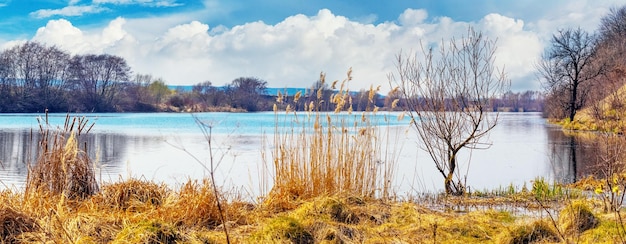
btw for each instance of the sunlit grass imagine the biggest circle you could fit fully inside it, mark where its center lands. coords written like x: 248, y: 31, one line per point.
x: 329, y: 154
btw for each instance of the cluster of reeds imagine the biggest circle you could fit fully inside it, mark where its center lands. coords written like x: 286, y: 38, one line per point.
x: 62, y: 165
x: 330, y: 153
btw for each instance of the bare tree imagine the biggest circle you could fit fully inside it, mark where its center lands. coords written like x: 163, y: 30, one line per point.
x: 448, y: 98
x: 50, y: 75
x: 206, y: 93
x: 247, y: 93
x: 24, y: 58
x: 96, y: 77
x: 607, y: 95
x: 613, y: 25
x: 566, y: 69
x: 8, y: 83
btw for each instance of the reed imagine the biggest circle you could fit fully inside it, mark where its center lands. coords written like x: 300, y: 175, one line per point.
x: 62, y: 166
x: 323, y: 154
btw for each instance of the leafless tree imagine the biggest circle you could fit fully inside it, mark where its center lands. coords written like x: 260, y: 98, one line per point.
x: 50, y: 75
x: 97, y: 78
x: 613, y: 25
x: 8, y: 85
x: 34, y: 77
x: 247, y: 92
x: 448, y: 97
x: 567, y: 69
x: 206, y: 93
x: 24, y: 63
x: 610, y: 53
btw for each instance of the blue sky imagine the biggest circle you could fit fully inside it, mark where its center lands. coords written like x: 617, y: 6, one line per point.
x: 288, y: 42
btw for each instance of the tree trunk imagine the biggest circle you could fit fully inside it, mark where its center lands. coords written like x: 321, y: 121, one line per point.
x: 451, y: 188
x: 572, y: 103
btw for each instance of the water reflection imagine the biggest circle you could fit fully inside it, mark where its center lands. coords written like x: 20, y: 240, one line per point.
x: 524, y: 147
x: 18, y: 149
x: 575, y: 155
x: 562, y: 154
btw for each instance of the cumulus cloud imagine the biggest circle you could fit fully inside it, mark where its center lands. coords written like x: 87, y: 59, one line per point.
x: 71, y: 10
x: 293, y: 52
x: 65, y: 35
x: 518, y: 50
x: 413, y: 17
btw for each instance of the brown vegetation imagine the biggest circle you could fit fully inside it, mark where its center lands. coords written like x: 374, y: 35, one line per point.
x: 326, y: 154
x: 62, y: 166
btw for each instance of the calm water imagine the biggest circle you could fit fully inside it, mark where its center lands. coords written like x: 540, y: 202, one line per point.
x: 158, y: 147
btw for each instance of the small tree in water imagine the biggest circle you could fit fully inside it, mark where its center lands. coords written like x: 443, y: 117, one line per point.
x: 448, y: 97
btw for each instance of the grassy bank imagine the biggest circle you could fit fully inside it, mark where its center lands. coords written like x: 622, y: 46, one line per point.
x: 138, y: 211
x: 328, y: 181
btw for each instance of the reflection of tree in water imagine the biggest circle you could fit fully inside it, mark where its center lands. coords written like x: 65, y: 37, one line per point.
x: 18, y: 148
x: 15, y: 150
x: 575, y: 155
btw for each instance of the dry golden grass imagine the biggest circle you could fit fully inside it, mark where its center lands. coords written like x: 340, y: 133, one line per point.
x: 62, y: 167
x: 132, y: 195
x: 13, y: 224
x: 188, y: 215
x: 193, y: 205
x: 328, y: 154
x: 607, y: 115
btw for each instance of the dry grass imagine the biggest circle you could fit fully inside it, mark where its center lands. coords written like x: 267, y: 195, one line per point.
x: 577, y: 217
x: 188, y: 215
x: 13, y: 224
x: 327, y: 154
x: 132, y: 195
x: 536, y: 232
x: 194, y: 205
x: 62, y: 167
x: 606, y: 115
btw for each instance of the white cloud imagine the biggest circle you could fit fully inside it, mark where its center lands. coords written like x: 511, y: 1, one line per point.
x: 291, y: 53
x: 63, y: 34
x: 96, y: 7
x: 155, y: 3
x: 518, y: 49
x: 71, y: 10
x: 413, y: 17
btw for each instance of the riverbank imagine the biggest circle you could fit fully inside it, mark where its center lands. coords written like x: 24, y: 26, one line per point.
x: 139, y: 211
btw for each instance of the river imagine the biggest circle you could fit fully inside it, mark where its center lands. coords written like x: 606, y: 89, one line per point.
x: 159, y: 147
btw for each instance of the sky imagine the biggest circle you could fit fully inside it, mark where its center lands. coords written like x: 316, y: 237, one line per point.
x: 289, y: 42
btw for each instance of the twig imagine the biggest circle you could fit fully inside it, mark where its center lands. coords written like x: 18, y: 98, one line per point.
x: 552, y: 219
x: 207, y: 132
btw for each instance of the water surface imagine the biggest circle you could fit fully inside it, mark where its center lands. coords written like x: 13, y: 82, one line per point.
x: 162, y: 147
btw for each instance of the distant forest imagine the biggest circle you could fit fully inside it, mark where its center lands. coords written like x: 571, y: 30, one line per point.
x: 35, y: 78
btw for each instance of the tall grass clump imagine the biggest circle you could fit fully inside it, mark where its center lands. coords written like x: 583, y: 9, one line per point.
x: 62, y: 167
x: 195, y: 205
x: 330, y: 153
x: 132, y: 195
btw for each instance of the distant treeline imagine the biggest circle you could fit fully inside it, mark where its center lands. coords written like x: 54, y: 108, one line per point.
x: 35, y: 78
